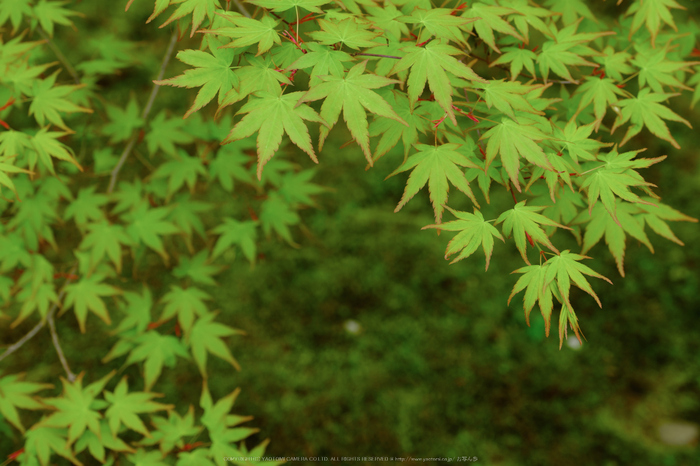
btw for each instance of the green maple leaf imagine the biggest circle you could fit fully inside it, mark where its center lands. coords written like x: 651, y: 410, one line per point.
x: 234, y: 232
x: 156, y: 350
x: 48, y: 100
x: 435, y: 166
x: 512, y: 141
x: 602, y: 92
x: 37, y: 289
x: 85, y: 295
x: 518, y: 58
x: 272, y: 115
x: 185, y: 215
x: 508, y: 97
x: 77, y: 409
x: 105, y: 160
x: 325, y: 61
x: 352, y: 95
x: 12, y: 142
x: 430, y: 63
x: 122, y: 122
x: 46, y: 145
x: 275, y: 170
x: 96, y: 445
x: 296, y: 188
x: 197, y: 8
x: 651, y: 12
x: 14, y: 393
x: 185, y: 303
x: 276, y: 214
x: 284, y: 5
x: 170, y: 432
x: 147, y: 458
x: 570, y: 10
x: 105, y: 238
x: 48, y: 13
x: 473, y: 231
x: 6, y: 168
x: 197, y: 268
x: 693, y: 81
x: 206, y: 337
x: 164, y: 134
x: 484, y: 175
x: 565, y: 169
x: 565, y: 208
x: 125, y: 407
x: 392, y: 130
x: 524, y: 223
x: 160, y: 7
x: 657, y: 70
x: 558, y: 58
x: 197, y: 457
x: 147, y: 225
x: 348, y: 32
x: 230, y: 164
x: 39, y: 297
x: 261, y: 75
x: 14, y: 10
x: 565, y: 268
x: 387, y: 19
x: 33, y: 218
x: 129, y: 196
x: 567, y: 50
x: 615, y: 63
x: 576, y: 141
x: 529, y: 16
x: 137, y: 310
x: 438, y: 22
x: 40, y: 441
x: 614, y: 178
x: 212, y: 72
x: 656, y: 212
x: 180, y: 171
x: 218, y: 421
x: 602, y: 223
x: 86, y: 207
x: 113, y: 53
x: 249, y: 31
x: 488, y: 19
x: 554, y: 277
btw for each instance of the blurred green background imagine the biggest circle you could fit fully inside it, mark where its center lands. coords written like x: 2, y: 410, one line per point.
x: 364, y: 341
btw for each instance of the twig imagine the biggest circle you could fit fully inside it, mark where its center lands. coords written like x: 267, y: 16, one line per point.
x: 57, y: 345
x: 25, y: 338
x: 62, y: 58
x: 146, y: 110
x: 38, y: 326
x: 241, y: 8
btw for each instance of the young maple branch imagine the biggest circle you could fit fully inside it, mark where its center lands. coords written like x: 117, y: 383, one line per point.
x: 12, y: 348
x: 241, y: 8
x: 57, y: 345
x: 39, y: 326
x: 62, y: 58
x: 146, y: 110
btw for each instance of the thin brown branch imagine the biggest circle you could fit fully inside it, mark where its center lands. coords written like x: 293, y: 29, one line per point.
x: 241, y: 8
x: 146, y: 110
x: 14, y: 347
x: 62, y: 58
x: 59, y: 350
